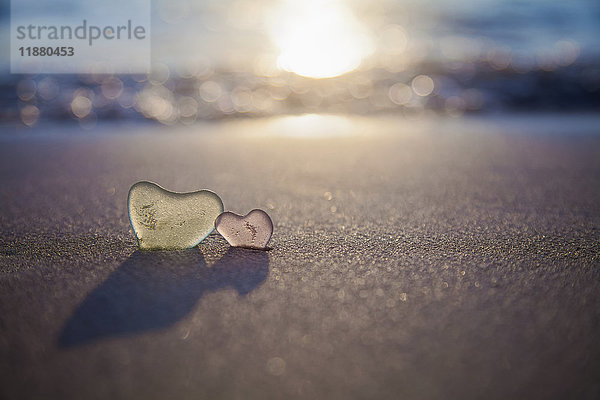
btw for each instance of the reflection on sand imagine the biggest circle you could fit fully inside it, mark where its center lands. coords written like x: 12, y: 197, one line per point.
x: 309, y: 126
x: 154, y: 290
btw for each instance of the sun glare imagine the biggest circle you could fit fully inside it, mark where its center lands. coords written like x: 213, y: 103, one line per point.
x: 319, y: 39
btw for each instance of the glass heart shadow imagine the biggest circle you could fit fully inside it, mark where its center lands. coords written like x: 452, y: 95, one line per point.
x: 155, y: 289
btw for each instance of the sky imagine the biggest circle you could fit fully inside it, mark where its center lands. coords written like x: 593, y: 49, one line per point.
x: 227, y: 32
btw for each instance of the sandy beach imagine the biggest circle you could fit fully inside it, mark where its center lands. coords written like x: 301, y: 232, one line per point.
x: 419, y: 258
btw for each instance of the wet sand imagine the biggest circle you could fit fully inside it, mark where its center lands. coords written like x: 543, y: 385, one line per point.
x: 417, y: 259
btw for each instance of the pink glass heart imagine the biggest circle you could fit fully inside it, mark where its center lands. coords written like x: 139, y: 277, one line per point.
x: 252, y: 231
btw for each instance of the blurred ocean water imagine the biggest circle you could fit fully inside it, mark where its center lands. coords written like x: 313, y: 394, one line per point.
x: 216, y: 59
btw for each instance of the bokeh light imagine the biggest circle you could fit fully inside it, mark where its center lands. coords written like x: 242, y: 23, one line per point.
x: 422, y: 85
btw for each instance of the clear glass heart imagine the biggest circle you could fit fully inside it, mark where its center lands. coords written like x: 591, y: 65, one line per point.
x: 166, y: 220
